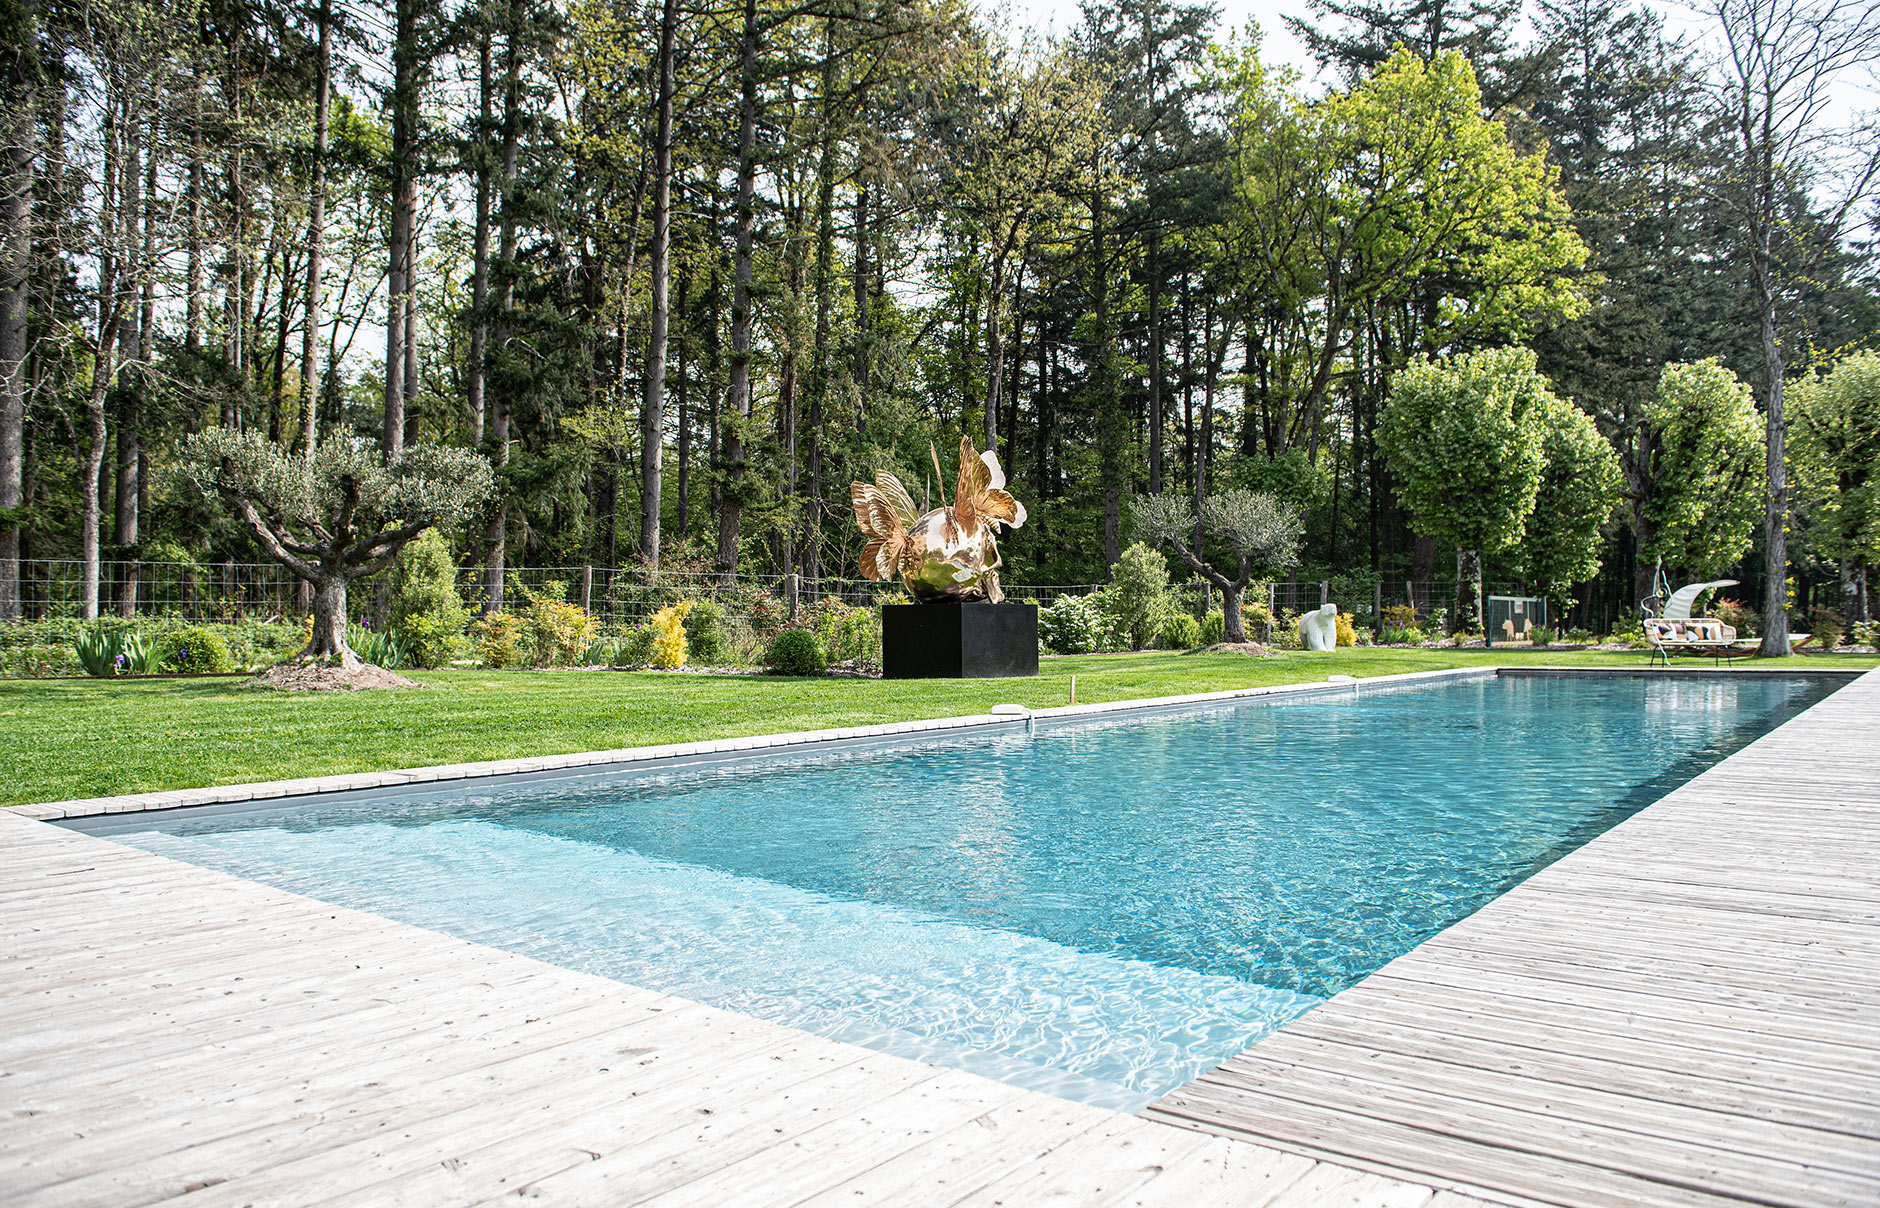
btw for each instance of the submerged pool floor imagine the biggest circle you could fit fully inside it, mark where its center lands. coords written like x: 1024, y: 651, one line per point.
x: 1101, y: 910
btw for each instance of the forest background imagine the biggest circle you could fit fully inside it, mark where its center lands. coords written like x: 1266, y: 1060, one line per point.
x: 681, y: 272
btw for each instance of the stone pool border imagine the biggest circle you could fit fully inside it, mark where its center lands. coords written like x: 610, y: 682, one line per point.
x: 674, y: 753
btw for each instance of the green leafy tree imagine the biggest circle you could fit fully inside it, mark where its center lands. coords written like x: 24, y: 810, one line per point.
x: 1836, y: 466
x: 1395, y: 198
x: 1465, y: 440
x: 339, y: 513
x: 1693, y: 472
x: 1260, y: 531
x: 1580, y: 485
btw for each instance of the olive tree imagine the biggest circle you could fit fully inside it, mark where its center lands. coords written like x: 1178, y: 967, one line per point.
x: 1579, y: 487
x: 338, y: 513
x: 1463, y: 437
x: 1260, y: 531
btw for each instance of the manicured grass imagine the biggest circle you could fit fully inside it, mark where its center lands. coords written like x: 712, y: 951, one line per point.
x: 82, y: 738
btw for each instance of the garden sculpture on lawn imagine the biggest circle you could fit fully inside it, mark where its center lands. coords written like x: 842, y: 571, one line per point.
x: 948, y: 555
x: 1318, y: 629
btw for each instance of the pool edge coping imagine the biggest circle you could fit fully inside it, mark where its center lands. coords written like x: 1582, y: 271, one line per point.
x: 646, y: 756
x: 347, y: 782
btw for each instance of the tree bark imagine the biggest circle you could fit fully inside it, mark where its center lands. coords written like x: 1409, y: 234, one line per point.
x: 480, y: 246
x: 821, y: 371
x: 738, y: 389
x: 1111, y: 424
x: 1468, y: 614
x: 1156, y: 419
x: 328, y: 639
x: 1775, y: 638
x: 316, y: 236
x: 404, y: 198
x: 1233, y: 627
x: 235, y: 303
x: 653, y: 404
x: 17, y: 107
x: 496, y: 534
x: 861, y: 307
x: 682, y: 413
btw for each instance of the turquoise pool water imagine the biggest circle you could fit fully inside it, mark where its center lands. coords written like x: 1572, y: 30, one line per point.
x: 1102, y: 910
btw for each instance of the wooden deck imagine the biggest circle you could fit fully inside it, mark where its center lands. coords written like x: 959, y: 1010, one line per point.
x: 175, y: 1033
x: 1684, y: 1012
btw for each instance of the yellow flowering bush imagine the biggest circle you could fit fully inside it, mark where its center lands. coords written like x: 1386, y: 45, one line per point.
x: 669, y: 636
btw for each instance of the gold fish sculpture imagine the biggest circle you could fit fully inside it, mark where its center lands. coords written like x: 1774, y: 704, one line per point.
x: 949, y: 555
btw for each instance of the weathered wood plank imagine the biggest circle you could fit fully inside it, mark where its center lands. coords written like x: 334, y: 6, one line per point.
x: 1685, y: 1011
x: 174, y: 1032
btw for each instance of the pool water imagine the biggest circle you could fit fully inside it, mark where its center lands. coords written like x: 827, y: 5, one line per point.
x: 1102, y: 910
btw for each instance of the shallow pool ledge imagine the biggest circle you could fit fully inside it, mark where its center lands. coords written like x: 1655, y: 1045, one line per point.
x: 681, y: 752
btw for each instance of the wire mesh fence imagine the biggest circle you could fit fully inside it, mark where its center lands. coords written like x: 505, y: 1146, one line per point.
x: 252, y: 591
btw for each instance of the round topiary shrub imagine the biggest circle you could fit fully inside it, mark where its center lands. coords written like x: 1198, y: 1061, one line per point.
x: 796, y: 652
x: 197, y: 650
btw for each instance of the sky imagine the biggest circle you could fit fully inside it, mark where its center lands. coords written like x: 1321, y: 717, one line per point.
x: 1280, y: 47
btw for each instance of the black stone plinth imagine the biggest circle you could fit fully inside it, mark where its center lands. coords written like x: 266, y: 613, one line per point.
x: 959, y: 641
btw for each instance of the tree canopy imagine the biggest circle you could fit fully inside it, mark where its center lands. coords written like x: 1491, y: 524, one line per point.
x: 1466, y: 443
x: 682, y: 272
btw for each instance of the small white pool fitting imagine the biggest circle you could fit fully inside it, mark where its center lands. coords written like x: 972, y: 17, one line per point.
x: 1015, y: 711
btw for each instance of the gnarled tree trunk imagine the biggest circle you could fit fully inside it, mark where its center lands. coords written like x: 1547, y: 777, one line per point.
x: 1232, y: 628
x: 328, y: 641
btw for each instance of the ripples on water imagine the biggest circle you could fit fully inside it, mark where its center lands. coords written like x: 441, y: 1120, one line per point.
x: 1102, y: 910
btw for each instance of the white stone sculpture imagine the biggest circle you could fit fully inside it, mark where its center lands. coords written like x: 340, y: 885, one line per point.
x: 1318, y: 629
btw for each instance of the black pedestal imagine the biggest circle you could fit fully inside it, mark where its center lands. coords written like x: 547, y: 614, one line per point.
x: 959, y: 641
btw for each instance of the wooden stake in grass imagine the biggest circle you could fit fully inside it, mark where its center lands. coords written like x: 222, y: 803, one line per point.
x: 1073, y: 689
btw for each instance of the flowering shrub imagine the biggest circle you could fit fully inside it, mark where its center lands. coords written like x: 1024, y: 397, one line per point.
x: 1739, y: 616
x: 668, y: 626
x: 1347, y: 630
x: 1070, y: 625
x: 767, y: 614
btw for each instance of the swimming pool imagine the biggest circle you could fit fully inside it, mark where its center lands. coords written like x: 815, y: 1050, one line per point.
x: 1102, y: 909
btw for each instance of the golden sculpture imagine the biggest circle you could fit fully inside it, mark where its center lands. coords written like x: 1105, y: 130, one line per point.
x: 948, y: 555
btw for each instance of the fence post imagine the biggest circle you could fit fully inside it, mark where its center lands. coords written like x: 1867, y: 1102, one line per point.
x: 1325, y: 593
x: 587, y: 587
x: 1377, y: 606
x: 789, y: 595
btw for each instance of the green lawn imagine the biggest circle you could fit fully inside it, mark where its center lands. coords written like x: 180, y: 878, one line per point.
x: 85, y: 738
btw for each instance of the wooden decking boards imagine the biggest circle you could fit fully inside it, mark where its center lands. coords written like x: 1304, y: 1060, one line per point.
x: 175, y: 1033
x: 1684, y: 1012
